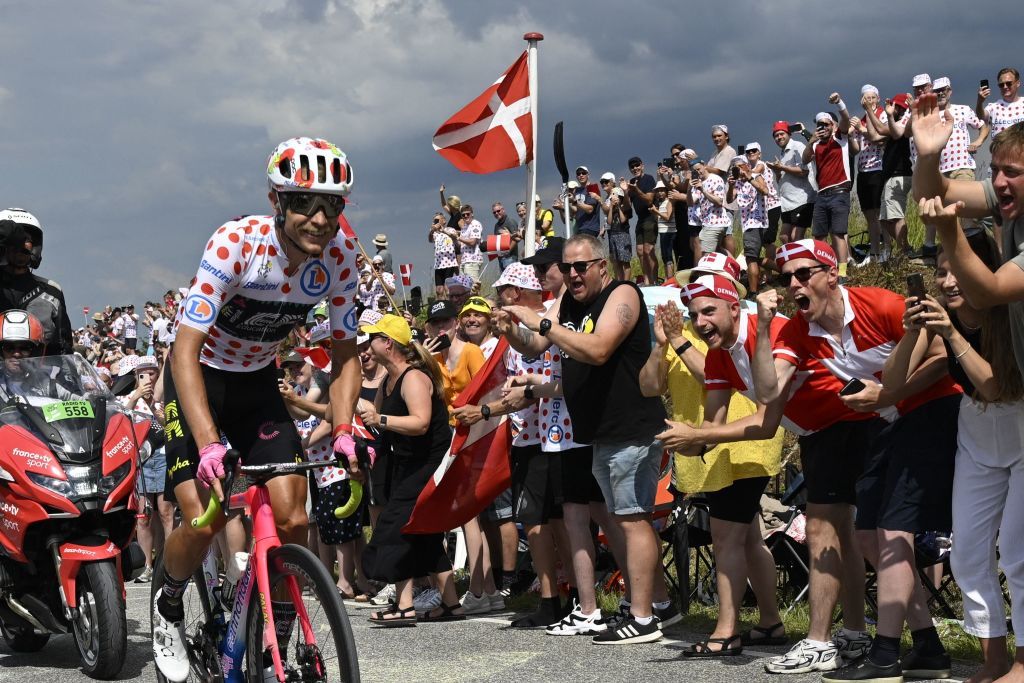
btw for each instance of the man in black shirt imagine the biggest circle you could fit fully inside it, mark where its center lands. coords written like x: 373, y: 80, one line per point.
x: 640, y: 189
x: 600, y: 328
x: 21, y: 250
x: 896, y: 168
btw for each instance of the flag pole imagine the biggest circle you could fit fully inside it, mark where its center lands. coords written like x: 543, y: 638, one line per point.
x: 531, y: 167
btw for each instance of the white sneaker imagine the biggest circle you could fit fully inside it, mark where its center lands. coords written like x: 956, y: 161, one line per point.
x: 496, y: 600
x: 475, y: 604
x: 169, y: 646
x: 385, y: 596
x: 804, y: 657
x: 427, y: 600
x: 851, y: 644
x: 867, y: 261
x: 576, y: 623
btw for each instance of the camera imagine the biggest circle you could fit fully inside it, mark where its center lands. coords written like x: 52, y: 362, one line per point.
x: 668, y: 162
x: 794, y: 128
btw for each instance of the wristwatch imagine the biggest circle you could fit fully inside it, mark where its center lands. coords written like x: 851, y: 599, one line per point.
x: 485, y: 411
x: 384, y: 421
x: 545, y: 327
x: 528, y: 392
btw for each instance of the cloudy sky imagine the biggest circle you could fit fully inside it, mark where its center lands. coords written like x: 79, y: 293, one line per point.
x: 134, y: 129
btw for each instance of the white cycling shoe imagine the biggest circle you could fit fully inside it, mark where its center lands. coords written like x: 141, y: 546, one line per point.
x: 169, y: 646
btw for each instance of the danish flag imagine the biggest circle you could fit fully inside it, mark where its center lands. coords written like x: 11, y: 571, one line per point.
x: 494, y: 131
x: 406, y: 270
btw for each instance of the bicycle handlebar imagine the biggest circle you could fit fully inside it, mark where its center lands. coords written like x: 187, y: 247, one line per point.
x: 356, y: 493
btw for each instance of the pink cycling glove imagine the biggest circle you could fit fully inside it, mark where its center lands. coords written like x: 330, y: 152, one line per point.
x: 346, y: 445
x: 211, y: 463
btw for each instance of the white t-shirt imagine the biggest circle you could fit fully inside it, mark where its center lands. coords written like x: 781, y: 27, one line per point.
x: 794, y: 190
x: 472, y: 231
x: 444, y: 251
x: 665, y: 227
x: 1002, y: 114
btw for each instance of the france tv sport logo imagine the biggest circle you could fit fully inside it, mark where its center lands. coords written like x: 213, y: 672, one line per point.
x: 315, y: 279
x: 199, y: 309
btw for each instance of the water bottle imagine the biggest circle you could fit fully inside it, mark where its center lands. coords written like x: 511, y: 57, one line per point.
x: 234, y: 570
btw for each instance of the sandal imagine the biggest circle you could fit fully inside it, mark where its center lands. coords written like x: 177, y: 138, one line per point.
x: 765, y: 637
x: 702, y: 651
x: 447, y: 614
x: 406, y: 617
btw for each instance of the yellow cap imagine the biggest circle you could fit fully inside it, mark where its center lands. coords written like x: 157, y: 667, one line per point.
x: 391, y: 326
x: 478, y: 304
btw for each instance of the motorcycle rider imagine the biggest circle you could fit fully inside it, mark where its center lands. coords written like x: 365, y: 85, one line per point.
x: 21, y: 252
x: 21, y: 336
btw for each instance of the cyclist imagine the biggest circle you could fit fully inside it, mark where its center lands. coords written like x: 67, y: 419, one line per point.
x: 258, y: 278
x: 21, y: 252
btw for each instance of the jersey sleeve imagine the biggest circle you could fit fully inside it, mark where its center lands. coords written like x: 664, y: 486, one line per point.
x: 892, y: 307
x: 786, y: 344
x: 219, y: 274
x: 971, y: 118
x: 716, y: 376
x: 341, y: 298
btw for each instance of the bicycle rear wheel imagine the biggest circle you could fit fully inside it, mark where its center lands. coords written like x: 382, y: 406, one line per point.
x: 332, y: 655
x: 200, y: 628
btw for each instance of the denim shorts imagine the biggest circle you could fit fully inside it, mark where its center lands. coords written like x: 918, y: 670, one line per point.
x: 628, y: 475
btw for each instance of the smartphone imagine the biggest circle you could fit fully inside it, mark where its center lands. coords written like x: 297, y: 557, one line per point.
x: 694, y: 176
x: 632, y: 181
x: 794, y: 128
x: 281, y: 375
x: 915, y: 286
x: 854, y: 386
x: 984, y: 83
x: 735, y: 172
x: 741, y: 150
x: 668, y: 162
x: 443, y: 342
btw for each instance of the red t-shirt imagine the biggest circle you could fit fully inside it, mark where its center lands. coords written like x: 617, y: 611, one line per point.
x: 813, y: 402
x: 872, y: 327
x: 832, y: 162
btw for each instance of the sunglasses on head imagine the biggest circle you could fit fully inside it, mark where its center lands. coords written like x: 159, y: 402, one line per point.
x: 308, y: 203
x: 801, y: 274
x: 579, y: 266
x: 477, y: 301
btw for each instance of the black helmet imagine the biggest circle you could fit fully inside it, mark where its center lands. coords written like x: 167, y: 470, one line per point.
x: 32, y: 228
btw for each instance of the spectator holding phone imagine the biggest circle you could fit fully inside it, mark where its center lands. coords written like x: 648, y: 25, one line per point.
x: 1008, y: 109
x: 617, y: 212
x: 749, y: 192
x: 640, y: 190
x: 772, y: 202
x: 830, y: 151
x: 796, y: 193
x: 986, y: 487
x: 896, y: 168
x: 707, y: 192
x: 870, y: 179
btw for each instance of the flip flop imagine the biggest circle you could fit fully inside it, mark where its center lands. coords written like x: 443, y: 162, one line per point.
x: 447, y: 614
x: 702, y: 651
x: 765, y: 637
x: 406, y: 617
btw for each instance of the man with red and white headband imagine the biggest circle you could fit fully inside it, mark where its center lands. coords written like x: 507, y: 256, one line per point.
x: 906, y: 485
x: 258, y: 278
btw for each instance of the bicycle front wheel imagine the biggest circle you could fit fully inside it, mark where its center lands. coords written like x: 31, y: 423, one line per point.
x: 324, y: 652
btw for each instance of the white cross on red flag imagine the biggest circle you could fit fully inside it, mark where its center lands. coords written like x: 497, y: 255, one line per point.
x: 495, y: 131
x: 406, y: 270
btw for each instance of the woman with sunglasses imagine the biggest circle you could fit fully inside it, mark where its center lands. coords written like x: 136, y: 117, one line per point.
x: 987, y: 481
x: 410, y: 414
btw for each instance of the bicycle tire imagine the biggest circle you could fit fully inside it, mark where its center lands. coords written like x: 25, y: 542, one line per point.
x: 198, y: 625
x: 324, y: 603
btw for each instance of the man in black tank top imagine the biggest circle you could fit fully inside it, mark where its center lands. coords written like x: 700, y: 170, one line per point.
x: 600, y: 328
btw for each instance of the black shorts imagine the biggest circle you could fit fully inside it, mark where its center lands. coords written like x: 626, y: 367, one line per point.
x: 772, y: 233
x: 799, y: 217
x: 753, y: 241
x: 833, y: 459
x: 738, y: 502
x: 331, y: 529
x: 908, y: 481
x: 869, y: 190
x: 442, y: 274
x: 578, y: 483
x: 536, y: 486
x: 247, y: 408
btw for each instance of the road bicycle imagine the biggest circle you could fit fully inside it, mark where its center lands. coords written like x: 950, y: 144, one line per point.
x: 233, y: 643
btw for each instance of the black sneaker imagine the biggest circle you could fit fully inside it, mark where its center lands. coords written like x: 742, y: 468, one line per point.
x: 864, y: 669
x: 630, y: 633
x: 668, y: 616
x: 917, y: 665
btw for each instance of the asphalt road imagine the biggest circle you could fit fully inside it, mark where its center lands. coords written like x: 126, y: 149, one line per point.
x: 479, y: 649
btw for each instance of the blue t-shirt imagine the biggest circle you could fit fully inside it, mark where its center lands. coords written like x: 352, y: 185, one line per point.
x: 589, y: 223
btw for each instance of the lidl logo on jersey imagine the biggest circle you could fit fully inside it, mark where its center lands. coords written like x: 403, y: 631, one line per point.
x: 315, y: 279
x: 199, y: 309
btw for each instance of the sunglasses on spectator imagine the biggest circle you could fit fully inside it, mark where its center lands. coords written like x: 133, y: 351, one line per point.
x: 582, y: 173
x: 580, y: 267
x: 467, y: 214
x: 801, y: 274
x: 1006, y: 84
x: 13, y: 347
x: 633, y: 168
x: 308, y: 203
x: 751, y: 151
x: 495, y: 211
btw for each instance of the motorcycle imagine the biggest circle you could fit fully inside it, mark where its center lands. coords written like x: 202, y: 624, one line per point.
x: 68, y: 460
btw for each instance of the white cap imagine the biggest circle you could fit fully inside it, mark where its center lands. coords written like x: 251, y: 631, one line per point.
x: 660, y: 186
x: 689, y: 154
x: 921, y: 79
x: 608, y: 175
x: 753, y: 145
x: 738, y: 160
x: 585, y: 169
x: 823, y: 116
x: 941, y: 82
x: 362, y: 338
x: 536, y: 198
x: 720, y: 126
x: 868, y: 88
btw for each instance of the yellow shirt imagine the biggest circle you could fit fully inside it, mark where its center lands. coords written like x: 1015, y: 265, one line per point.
x: 725, y: 463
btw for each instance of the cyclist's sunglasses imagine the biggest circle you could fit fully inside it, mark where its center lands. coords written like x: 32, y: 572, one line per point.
x: 308, y: 203
x: 801, y: 274
x: 579, y: 266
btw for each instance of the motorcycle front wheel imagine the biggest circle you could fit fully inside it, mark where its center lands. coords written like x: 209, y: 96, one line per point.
x: 100, y: 624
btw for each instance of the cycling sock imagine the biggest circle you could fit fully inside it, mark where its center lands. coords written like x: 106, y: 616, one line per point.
x: 173, y: 588
x: 284, y: 619
x: 885, y: 651
x: 927, y: 642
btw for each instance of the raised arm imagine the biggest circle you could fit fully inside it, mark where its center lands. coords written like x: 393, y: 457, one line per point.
x: 771, y: 375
